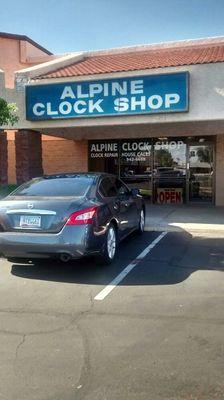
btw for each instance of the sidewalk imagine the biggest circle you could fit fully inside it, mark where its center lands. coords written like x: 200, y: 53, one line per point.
x: 176, y: 218
x: 182, y: 217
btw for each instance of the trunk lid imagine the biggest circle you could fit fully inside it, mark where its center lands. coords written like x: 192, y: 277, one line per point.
x: 39, y: 215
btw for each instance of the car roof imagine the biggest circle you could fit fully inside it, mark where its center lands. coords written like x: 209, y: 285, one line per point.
x: 75, y: 174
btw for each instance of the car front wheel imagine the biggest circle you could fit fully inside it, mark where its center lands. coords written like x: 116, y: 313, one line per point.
x: 141, y: 224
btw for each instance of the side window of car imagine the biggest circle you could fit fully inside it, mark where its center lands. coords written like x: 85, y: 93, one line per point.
x: 107, y: 188
x: 121, y: 188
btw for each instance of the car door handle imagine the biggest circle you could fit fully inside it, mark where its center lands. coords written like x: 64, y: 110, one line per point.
x: 116, y: 205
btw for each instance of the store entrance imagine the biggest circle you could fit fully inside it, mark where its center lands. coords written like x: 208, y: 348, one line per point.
x: 200, y: 173
x: 169, y: 171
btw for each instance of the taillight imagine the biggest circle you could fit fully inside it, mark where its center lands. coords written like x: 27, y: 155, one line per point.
x: 82, y: 217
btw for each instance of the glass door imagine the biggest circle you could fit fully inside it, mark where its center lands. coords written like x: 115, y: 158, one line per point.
x: 169, y: 173
x: 200, y: 173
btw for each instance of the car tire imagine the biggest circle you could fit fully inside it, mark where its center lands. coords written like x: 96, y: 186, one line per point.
x: 141, y: 224
x: 109, y: 251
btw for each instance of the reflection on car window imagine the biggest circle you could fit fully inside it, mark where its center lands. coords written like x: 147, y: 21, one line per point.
x: 121, y: 188
x: 76, y: 186
x: 107, y: 188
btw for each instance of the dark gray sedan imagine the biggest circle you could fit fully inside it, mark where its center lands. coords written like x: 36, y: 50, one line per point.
x: 68, y: 216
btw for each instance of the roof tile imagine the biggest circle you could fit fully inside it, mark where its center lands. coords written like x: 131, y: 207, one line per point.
x: 141, y: 60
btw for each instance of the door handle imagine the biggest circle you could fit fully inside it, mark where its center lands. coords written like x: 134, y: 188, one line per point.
x: 116, y: 205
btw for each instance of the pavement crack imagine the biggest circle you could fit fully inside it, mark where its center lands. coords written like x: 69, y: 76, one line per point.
x: 84, y: 380
x: 19, y: 346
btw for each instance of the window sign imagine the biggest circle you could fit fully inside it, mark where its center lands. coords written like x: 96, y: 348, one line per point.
x: 103, y: 149
x: 170, y: 196
x: 135, y: 164
x: 135, y: 151
x: 148, y: 94
x: 104, y: 156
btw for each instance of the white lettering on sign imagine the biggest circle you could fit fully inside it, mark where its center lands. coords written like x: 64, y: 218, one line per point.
x: 50, y: 111
x: 171, y: 98
x: 95, y: 88
x: 95, y: 106
x: 65, y: 108
x: 67, y: 92
x: 121, y: 104
x: 80, y: 94
x: 39, y: 109
x: 133, y: 146
x: 137, y: 87
x: 104, y: 150
x: 155, y: 102
x: 172, y: 145
x: 99, y: 147
x: 121, y: 88
x: 135, y: 104
x: 78, y: 109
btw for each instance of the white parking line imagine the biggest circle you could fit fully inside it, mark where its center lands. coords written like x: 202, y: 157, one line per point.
x: 108, y: 289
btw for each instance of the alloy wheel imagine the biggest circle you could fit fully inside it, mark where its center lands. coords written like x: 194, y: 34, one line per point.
x: 111, y: 242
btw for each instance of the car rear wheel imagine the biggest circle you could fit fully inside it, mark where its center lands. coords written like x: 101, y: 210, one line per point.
x: 141, y: 224
x: 110, y: 246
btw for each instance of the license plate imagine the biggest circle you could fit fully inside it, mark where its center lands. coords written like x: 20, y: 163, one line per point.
x: 30, y: 221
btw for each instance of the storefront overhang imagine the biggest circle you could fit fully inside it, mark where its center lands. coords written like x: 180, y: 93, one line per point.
x: 205, y: 107
x: 199, y: 128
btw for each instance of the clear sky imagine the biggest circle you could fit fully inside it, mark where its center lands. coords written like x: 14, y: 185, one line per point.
x: 72, y: 25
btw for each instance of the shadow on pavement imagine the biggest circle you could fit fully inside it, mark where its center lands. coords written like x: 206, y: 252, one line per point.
x: 172, y: 261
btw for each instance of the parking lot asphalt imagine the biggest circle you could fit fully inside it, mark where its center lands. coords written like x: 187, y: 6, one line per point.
x: 157, y: 336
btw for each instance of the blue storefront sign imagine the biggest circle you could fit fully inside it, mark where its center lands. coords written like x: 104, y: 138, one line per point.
x: 108, y: 97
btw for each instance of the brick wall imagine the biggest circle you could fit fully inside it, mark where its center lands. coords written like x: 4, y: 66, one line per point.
x: 11, y: 157
x: 219, y: 184
x: 64, y: 156
x: 3, y: 158
x: 28, y: 155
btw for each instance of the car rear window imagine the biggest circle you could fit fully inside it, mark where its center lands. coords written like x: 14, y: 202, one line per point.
x: 56, y: 187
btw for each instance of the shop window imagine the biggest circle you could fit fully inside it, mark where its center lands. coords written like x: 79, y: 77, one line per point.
x: 135, y: 164
x: 104, y: 156
x: 201, y: 173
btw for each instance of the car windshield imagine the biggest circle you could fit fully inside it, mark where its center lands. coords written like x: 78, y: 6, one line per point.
x: 56, y: 186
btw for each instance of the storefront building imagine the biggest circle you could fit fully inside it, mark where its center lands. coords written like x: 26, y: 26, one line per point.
x: 166, y: 170
x: 153, y: 115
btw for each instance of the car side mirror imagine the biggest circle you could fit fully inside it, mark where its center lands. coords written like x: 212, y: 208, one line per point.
x: 135, y: 192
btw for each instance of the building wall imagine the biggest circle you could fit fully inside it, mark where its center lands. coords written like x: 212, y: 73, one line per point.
x: 3, y: 158
x: 16, y: 55
x: 64, y: 155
